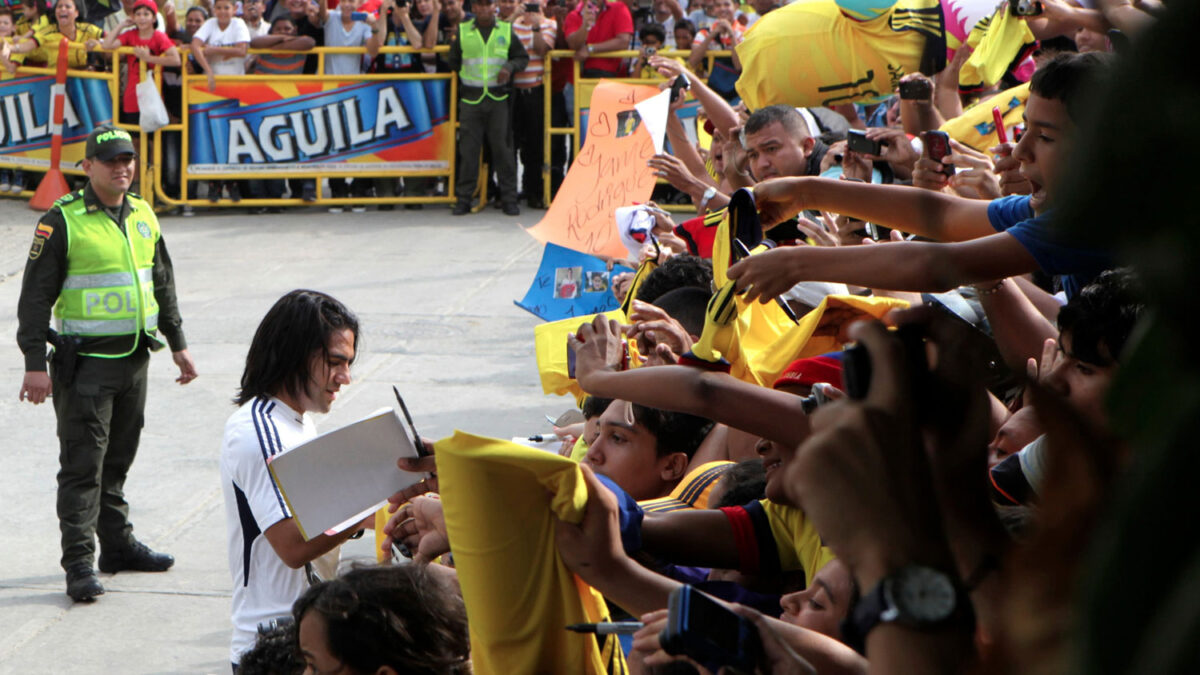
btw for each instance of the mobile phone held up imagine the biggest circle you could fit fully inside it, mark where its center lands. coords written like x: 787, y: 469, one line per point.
x: 916, y: 90
x: 1025, y: 7
x: 856, y: 140
x: 679, y: 86
x: 937, y: 145
x: 703, y: 629
x: 532, y: 7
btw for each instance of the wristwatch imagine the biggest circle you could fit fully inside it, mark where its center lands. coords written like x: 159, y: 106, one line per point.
x: 591, y: 48
x: 708, y: 195
x: 913, y: 596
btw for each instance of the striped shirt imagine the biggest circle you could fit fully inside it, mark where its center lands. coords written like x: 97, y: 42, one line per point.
x: 280, y: 63
x: 532, y: 75
x: 691, y: 492
x: 264, y: 588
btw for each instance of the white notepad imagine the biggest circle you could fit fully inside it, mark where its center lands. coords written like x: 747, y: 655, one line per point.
x: 338, y: 478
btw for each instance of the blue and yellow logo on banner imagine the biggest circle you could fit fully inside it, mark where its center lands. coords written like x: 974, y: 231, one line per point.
x: 298, y: 127
x: 25, y: 122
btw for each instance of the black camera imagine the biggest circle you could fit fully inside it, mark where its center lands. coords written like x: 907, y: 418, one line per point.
x: 1025, y: 7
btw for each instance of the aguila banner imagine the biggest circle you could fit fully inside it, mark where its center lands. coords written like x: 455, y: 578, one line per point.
x: 319, y: 126
x: 25, y: 122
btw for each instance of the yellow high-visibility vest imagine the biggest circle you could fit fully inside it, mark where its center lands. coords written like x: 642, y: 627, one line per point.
x: 109, y: 286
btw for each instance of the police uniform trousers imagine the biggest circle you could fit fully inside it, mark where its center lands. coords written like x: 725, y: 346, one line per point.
x: 487, y: 120
x: 529, y: 129
x: 100, y: 417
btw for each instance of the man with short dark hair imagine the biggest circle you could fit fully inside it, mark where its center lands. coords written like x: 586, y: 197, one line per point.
x: 778, y: 143
x: 298, y: 361
x: 98, y: 258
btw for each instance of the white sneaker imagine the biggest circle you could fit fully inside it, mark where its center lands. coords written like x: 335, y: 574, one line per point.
x: 336, y: 209
x: 358, y: 209
x: 4, y: 187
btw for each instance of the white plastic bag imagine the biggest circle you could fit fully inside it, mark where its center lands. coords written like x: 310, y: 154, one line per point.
x: 150, y: 103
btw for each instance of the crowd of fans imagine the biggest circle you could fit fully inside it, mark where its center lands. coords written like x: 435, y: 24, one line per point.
x: 875, y: 508
x: 216, y: 37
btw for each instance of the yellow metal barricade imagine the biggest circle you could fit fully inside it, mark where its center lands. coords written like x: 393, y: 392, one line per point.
x: 23, y: 133
x: 324, y: 170
x: 151, y: 146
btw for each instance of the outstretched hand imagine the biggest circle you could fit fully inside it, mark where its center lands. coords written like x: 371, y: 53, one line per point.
x: 598, y: 346
x: 767, y: 275
x: 420, y: 526
x: 426, y: 464
x: 592, y: 548
x: 777, y: 200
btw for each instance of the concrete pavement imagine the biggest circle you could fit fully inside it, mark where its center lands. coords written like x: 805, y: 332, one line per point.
x: 434, y: 296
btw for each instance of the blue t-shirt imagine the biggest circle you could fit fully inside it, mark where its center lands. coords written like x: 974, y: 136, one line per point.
x: 1074, y: 265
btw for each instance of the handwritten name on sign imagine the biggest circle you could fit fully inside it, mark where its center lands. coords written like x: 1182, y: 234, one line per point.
x: 610, y: 171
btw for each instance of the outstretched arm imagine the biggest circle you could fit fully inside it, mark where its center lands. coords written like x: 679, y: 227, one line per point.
x: 936, y: 216
x: 716, y: 396
x: 902, y: 266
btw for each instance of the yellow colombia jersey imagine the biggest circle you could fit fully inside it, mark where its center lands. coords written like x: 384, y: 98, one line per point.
x: 998, y: 40
x: 48, y: 37
x: 758, y: 340
x: 799, y: 545
x: 500, y: 500
x: 976, y: 127
x: 809, y: 53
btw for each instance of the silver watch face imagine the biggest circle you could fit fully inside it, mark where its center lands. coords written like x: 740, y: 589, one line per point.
x: 922, y: 595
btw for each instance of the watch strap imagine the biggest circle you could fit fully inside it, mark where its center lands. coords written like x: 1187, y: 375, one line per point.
x: 875, y: 608
x: 866, y: 614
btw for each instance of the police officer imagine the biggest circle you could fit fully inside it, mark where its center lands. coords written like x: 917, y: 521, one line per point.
x: 99, y: 260
x: 486, y: 54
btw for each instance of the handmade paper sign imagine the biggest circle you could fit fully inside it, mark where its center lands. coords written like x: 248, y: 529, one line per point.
x: 610, y: 171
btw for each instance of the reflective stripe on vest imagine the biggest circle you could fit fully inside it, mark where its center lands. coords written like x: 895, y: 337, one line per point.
x: 481, y: 61
x: 109, y: 285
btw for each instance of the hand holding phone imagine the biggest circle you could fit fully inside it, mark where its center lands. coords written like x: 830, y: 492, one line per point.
x: 916, y: 89
x: 937, y: 146
x: 678, y: 86
x: 703, y: 629
x: 857, y: 140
